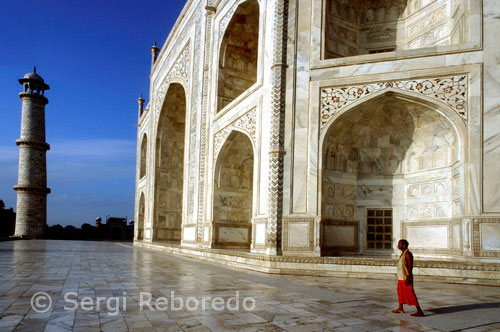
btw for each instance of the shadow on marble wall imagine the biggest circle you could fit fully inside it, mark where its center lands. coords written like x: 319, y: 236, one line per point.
x: 376, y: 26
x: 385, y: 161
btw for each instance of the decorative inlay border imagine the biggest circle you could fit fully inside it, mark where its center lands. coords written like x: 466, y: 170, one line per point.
x: 180, y: 69
x: 277, y: 126
x: 476, y: 230
x: 207, y: 49
x: 247, y: 122
x: 451, y: 90
x: 225, y: 20
x: 286, y: 234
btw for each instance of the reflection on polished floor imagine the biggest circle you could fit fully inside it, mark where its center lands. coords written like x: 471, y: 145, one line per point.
x: 282, y: 303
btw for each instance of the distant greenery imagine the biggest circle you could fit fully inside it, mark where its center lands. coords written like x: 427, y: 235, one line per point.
x: 122, y: 232
x: 86, y: 232
x: 7, y: 220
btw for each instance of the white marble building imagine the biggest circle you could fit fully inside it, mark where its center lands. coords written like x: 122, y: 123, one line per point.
x: 324, y: 128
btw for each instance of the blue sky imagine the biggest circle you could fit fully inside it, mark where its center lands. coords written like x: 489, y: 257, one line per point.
x: 95, y: 57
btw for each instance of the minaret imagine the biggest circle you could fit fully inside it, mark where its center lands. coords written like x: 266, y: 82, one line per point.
x: 31, y: 214
x: 154, y: 53
x: 140, y: 103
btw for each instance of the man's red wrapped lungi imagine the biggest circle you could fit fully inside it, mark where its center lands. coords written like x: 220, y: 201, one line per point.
x: 406, y: 294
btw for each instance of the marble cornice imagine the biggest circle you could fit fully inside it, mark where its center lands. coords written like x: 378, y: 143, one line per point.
x: 34, y: 96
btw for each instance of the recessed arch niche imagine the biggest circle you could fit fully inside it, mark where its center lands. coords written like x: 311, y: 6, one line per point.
x: 238, y: 54
x: 387, y: 161
x: 233, y: 193
x: 140, y: 218
x: 356, y: 27
x: 143, y: 154
x: 169, y: 170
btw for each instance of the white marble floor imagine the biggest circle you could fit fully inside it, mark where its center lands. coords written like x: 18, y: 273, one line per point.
x: 106, y: 281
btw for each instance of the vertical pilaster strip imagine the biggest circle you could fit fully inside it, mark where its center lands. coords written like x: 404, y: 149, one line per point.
x: 210, y: 11
x: 277, y: 118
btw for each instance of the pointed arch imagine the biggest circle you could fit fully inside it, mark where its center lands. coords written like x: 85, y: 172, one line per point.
x: 140, y: 217
x: 400, y: 150
x: 143, y: 156
x: 169, y: 165
x: 233, y: 192
x: 238, y: 53
x: 443, y: 109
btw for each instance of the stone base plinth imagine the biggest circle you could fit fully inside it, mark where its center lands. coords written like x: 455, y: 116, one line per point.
x: 462, y: 272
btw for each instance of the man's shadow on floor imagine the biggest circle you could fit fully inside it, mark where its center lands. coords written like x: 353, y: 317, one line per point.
x: 458, y: 308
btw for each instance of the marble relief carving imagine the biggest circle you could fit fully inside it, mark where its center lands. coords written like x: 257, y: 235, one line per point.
x: 246, y: 123
x: 431, y: 29
x: 180, y: 69
x: 339, y: 201
x: 181, y: 66
x: 379, y: 23
x: 225, y: 21
x: 210, y: 11
x: 434, y: 200
x: 449, y: 90
x: 195, y: 134
x: 374, y: 191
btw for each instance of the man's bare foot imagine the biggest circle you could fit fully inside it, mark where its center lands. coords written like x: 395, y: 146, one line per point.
x: 398, y: 311
x: 418, y: 314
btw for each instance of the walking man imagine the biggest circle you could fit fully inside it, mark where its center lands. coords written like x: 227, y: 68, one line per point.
x: 406, y: 294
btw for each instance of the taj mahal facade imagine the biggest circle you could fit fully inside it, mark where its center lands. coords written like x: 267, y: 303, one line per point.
x: 310, y: 136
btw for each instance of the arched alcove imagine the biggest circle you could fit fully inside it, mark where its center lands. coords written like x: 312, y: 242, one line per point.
x: 388, y: 161
x: 143, y: 154
x: 169, y: 169
x: 233, y: 188
x: 140, y: 218
x: 238, y: 54
x: 356, y: 27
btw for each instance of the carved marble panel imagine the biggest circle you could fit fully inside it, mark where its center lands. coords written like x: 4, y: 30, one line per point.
x: 247, y: 123
x: 486, y: 237
x: 339, y: 236
x: 374, y: 191
x: 226, y: 19
x: 425, y: 237
x: 233, y: 234
x: 180, y: 69
x: 450, y: 90
x: 298, y: 234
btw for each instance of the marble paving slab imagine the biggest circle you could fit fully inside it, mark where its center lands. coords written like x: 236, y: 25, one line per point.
x: 283, y: 302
